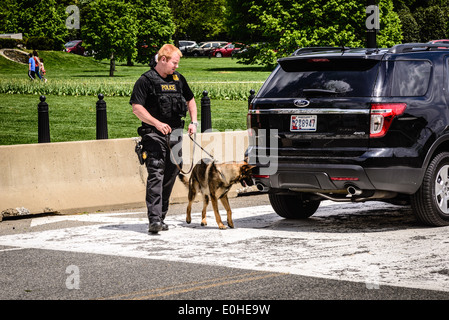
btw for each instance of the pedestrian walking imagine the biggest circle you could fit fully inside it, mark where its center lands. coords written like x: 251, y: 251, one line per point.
x: 42, y: 70
x: 37, y: 63
x: 31, y: 67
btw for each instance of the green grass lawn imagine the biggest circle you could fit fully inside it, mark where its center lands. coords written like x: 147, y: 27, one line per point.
x: 75, y: 81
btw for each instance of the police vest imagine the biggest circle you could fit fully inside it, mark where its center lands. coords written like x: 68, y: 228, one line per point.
x: 166, y: 101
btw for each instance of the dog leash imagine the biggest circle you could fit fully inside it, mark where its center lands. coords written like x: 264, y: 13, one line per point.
x: 194, y: 141
x: 167, y: 139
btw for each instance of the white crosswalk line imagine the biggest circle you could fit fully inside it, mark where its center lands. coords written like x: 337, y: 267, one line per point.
x: 321, y: 246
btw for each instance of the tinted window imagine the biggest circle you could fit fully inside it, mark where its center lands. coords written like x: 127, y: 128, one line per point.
x: 410, y: 78
x: 322, y: 77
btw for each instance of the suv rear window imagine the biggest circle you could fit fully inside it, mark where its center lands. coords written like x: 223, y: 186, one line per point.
x: 410, y: 78
x: 322, y: 77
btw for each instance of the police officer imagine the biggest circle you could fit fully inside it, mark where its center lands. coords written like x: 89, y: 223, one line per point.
x: 160, y: 99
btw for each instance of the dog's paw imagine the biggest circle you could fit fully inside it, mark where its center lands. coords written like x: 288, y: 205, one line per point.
x: 203, y: 223
x: 222, y: 227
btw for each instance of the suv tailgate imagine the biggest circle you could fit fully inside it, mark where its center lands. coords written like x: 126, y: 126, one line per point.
x: 314, y: 117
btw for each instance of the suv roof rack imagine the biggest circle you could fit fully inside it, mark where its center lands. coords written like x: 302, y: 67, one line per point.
x: 407, y: 47
x: 317, y: 49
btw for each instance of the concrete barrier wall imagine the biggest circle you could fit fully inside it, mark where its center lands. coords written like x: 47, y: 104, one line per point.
x: 70, y: 177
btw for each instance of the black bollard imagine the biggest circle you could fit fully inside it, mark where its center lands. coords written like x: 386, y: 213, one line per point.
x: 251, y: 96
x: 206, y: 122
x: 102, y: 122
x: 43, y: 124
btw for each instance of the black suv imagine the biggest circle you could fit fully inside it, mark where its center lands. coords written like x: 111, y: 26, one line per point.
x: 355, y: 125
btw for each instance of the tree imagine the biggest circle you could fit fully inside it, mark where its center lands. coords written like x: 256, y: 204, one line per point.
x: 110, y: 31
x: 287, y: 25
x: 238, y: 15
x: 199, y: 19
x: 423, y: 20
x: 433, y: 22
x: 8, y: 16
x: 155, y: 27
x: 34, y: 18
x: 390, y: 25
x: 410, y: 28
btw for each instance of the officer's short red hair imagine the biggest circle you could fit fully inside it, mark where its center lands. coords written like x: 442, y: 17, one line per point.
x: 167, y: 50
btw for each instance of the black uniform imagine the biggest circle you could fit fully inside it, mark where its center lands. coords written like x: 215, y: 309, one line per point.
x: 165, y: 99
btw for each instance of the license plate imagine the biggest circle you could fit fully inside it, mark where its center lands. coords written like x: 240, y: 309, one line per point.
x: 303, y: 123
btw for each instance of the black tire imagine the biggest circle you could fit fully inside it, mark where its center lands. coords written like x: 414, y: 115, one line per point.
x: 218, y: 55
x: 430, y: 203
x: 293, y: 206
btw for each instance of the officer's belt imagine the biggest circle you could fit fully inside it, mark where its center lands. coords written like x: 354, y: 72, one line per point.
x: 146, y: 130
x: 143, y: 130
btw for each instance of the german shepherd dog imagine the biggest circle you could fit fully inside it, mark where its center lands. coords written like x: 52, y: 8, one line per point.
x: 214, y: 181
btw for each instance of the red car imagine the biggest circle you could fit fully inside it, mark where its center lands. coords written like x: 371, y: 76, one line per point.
x: 225, y: 51
x: 439, y: 41
x: 75, y: 46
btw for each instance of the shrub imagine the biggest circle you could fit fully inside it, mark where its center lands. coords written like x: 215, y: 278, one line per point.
x: 9, y: 43
x: 40, y: 43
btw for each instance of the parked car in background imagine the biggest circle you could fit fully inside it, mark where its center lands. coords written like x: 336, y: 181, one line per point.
x: 75, y: 46
x: 185, y: 44
x: 226, y: 50
x: 204, y: 48
x: 440, y: 41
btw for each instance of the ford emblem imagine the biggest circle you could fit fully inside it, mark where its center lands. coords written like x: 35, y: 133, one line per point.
x: 301, y: 103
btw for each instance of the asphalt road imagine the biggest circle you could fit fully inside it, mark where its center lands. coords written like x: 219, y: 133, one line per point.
x: 369, y: 251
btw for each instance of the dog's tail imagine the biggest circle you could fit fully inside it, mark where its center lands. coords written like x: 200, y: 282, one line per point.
x: 184, y: 179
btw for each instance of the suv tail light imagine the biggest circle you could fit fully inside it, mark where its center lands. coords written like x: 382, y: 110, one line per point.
x: 382, y: 115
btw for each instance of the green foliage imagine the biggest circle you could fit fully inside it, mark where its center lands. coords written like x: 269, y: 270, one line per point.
x: 288, y: 25
x: 155, y: 27
x: 40, y: 43
x: 68, y: 87
x: 410, y: 28
x: 423, y: 20
x: 198, y: 19
x: 41, y: 18
x: 110, y: 30
x: 238, y: 15
x: 9, y: 43
x: 134, y: 29
x: 433, y: 22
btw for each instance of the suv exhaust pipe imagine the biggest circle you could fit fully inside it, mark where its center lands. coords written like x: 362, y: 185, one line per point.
x: 357, y: 195
x: 354, y: 191
x: 261, y: 187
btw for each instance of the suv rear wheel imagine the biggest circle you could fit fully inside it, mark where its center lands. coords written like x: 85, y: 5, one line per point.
x: 293, y: 206
x: 431, y: 202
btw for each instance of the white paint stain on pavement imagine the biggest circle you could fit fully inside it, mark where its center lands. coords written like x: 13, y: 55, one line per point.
x: 375, y: 244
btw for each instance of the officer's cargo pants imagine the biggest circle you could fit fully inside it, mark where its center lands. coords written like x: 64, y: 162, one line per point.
x: 162, y: 173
